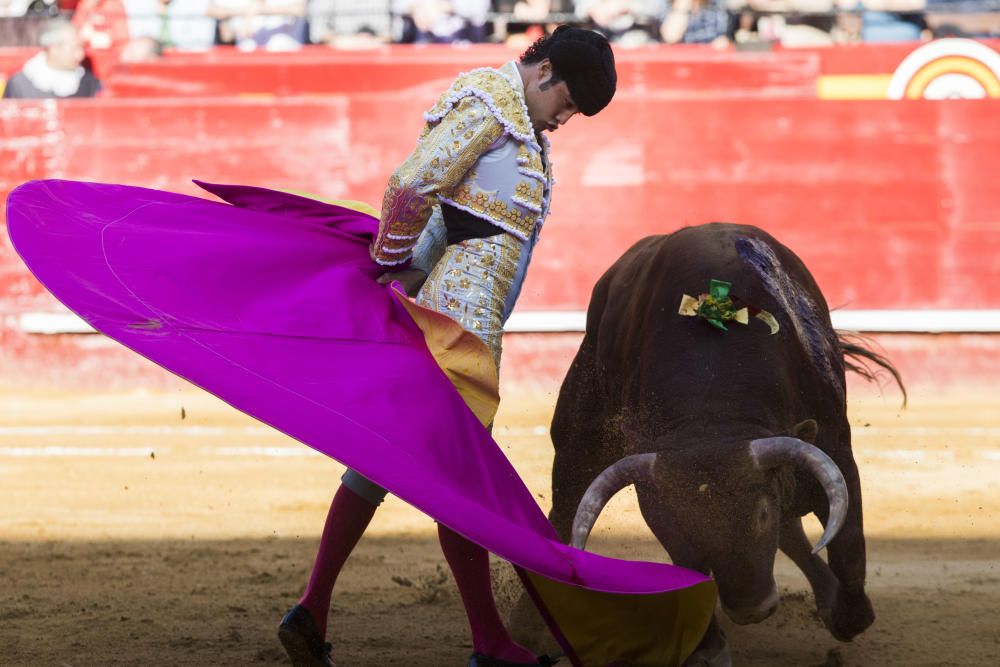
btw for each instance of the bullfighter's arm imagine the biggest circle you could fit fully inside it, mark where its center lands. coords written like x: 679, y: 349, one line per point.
x: 428, y: 252
x: 443, y: 156
x: 431, y: 245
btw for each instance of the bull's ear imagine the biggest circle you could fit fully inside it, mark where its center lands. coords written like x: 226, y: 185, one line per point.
x: 806, y: 430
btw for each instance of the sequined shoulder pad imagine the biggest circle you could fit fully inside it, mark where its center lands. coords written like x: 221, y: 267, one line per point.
x: 499, y: 94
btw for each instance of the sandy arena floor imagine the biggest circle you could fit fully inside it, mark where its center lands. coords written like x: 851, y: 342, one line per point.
x: 129, y: 536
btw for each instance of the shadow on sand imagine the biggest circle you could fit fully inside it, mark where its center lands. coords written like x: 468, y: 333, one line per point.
x: 204, y: 602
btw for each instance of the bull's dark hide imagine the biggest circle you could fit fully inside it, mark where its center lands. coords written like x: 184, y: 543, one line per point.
x: 649, y: 380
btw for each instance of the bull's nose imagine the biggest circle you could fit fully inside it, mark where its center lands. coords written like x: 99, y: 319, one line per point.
x: 756, y: 613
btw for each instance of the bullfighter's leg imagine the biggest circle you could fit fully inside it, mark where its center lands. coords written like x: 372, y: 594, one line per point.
x: 713, y: 650
x: 303, y: 629
x: 852, y: 611
x: 470, y: 565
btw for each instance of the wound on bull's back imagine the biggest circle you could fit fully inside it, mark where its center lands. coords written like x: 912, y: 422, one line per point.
x: 797, y: 305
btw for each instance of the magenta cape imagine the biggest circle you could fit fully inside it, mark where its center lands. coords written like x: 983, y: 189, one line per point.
x: 271, y: 304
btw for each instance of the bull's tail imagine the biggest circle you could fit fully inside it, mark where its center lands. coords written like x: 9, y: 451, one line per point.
x: 858, y: 355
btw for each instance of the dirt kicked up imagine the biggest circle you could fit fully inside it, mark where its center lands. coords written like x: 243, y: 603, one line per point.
x: 167, y: 529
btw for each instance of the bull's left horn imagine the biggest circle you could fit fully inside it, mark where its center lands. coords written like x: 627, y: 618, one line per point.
x: 781, y: 450
x: 631, y: 469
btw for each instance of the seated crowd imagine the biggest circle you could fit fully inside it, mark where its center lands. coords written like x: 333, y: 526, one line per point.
x: 192, y: 25
x: 140, y: 30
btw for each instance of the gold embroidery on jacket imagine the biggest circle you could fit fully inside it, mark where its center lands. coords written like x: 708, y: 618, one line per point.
x: 500, y: 95
x: 531, y: 162
x: 494, y: 210
x: 443, y: 155
x: 479, y: 108
x: 471, y: 284
x: 530, y: 194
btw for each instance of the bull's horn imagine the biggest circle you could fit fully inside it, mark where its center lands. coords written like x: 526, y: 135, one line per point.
x: 781, y: 450
x: 631, y: 469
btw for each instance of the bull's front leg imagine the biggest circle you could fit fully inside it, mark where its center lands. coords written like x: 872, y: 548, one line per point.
x: 794, y: 544
x: 713, y: 651
x: 851, y: 612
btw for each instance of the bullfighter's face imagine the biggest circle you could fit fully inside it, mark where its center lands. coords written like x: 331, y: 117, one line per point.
x: 549, y: 102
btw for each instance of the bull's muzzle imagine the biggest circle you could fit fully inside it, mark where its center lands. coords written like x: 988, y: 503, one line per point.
x: 755, y: 613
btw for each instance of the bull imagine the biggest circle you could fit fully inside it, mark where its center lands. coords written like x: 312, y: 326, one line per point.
x: 730, y: 437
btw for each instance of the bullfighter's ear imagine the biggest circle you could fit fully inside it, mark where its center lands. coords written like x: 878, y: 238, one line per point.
x: 806, y: 430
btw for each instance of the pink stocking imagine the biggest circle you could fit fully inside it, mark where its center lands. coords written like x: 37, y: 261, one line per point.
x: 346, y: 522
x: 470, y: 564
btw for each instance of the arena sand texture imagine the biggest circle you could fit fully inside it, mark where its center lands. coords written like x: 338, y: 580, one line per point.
x: 132, y: 536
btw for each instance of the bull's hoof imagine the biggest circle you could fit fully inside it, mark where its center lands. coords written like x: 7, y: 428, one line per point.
x: 703, y: 657
x: 850, y: 616
x: 712, y: 651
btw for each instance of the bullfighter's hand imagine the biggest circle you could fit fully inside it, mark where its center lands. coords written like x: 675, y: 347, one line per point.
x: 411, y: 279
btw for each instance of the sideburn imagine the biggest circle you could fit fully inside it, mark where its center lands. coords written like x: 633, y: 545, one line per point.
x: 552, y: 81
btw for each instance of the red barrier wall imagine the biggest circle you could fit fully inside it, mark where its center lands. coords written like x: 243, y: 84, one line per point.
x: 687, y: 70
x: 891, y: 204
x: 683, y: 71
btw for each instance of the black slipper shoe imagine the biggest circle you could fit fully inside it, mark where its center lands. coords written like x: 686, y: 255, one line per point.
x: 302, y: 642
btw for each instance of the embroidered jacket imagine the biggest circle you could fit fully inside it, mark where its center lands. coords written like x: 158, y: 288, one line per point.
x: 479, y: 153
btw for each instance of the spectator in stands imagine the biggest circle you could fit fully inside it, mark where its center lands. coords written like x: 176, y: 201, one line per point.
x: 179, y: 24
x: 809, y: 23
x: 26, y: 8
x: 962, y: 18
x: 442, y: 21
x: 274, y: 25
x: 57, y: 71
x: 141, y: 50
x: 528, y: 20
x: 792, y: 23
x: 847, y: 27
x: 349, y: 24
x: 893, y: 21
x: 696, y: 22
x: 628, y: 22
x: 948, y: 31
x: 103, y: 24
x: 746, y: 31
x: 535, y: 11
x: 22, y: 21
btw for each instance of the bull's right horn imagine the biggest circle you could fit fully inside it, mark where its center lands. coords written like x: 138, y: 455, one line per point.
x: 629, y: 470
x: 779, y: 450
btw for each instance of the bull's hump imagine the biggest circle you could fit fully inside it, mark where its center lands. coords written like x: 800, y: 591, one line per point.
x: 809, y: 319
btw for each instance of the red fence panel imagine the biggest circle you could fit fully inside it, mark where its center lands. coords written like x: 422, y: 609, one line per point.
x: 690, y: 71
x: 892, y: 204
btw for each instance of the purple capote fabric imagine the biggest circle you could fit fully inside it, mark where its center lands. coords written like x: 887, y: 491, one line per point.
x: 271, y: 304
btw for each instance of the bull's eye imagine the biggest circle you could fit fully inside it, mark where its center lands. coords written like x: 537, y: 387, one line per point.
x: 763, y: 515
